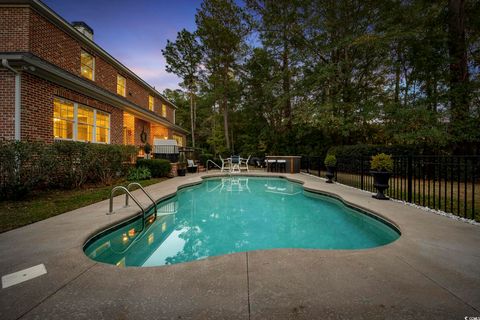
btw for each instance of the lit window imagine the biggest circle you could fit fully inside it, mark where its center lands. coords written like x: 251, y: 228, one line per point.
x: 164, y: 111
x: 179, y: 140
x: 73, y: 121
x: 85, y: 124
x: 87, y: 62
x: 151, y: 103
x: 103, y: 126
x: 63, y: 119
x: 121, y: 85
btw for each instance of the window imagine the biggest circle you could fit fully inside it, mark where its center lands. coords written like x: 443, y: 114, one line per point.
x: 87, y: 65
x: 73, y: 121
x: 121, y: 85
x: 151, y: 103
x: 85, y: 124
x: 63, y: 119
x: 179, y: 140
x: 103, y: 127
x: 164, y: 111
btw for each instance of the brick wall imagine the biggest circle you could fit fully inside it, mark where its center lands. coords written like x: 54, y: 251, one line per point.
x: 53, y: 45
x: 24, y: 30
x: 49, y: 42
x: 142, y: 125
x: 105, y: 75
x: 37, y: 109
x: 14, y: 29
x: 7, y: 105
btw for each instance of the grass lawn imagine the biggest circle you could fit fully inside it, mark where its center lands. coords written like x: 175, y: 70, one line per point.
x: 448, y: 196
x: 43, y: 205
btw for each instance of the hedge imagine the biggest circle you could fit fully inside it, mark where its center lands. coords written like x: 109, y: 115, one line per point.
x: 204, y: 157
x: 26, y: 166
x: 158, y: 167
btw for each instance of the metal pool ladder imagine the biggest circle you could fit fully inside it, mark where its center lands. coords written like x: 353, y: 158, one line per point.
x: 144, y: 191
x: 129, y: 194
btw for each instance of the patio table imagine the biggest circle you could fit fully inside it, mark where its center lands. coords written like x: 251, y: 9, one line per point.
x: 235, y: 167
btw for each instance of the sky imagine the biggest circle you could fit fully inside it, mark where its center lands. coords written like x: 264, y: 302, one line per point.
x: 134, y: 32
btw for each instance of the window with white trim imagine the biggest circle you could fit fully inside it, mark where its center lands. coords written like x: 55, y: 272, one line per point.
x: 85, y: 123
x: 164, y: 110
x: 102, y: 127
x: 179, y: 139
x: 74, y: 121
x: 63, y: 119
x: 151, y: 103
x: 87, y: 65
x: 121, y: 85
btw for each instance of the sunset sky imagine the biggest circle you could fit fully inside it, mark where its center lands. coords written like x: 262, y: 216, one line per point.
x: 134, y: 32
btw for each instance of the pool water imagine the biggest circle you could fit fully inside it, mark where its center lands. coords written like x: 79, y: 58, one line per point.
x: 238, y: 214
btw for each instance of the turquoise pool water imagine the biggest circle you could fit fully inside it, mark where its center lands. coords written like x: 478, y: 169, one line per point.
x: 238, y: 214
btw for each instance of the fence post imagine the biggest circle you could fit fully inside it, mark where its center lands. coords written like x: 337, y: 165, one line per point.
x: 410, y: 175
x: 319, y: 166
x: 362, y: 171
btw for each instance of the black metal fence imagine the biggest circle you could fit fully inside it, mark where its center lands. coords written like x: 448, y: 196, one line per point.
x: 447, y: 183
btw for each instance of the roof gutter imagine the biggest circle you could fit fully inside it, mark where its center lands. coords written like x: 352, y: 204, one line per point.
x: 40, y: 68
x: 17, y: 98
x: 63, y: 24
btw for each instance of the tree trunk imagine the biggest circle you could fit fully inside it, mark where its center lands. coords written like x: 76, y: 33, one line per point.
x: 225, y: 121
x: 192, y: 118
x: 459, y: 99
x: 286, y: 80
x: 397, y: 76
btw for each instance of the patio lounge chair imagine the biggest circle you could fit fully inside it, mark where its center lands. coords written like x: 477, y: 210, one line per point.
x: 191, y: 166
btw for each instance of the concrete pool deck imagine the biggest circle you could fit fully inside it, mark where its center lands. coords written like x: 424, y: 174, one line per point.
x: 431, y: 272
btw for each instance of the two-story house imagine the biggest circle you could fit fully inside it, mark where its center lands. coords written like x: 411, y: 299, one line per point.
x: 56, y: 83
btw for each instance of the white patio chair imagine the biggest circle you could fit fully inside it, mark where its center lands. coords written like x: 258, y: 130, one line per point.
x: 244, y: 163
x: 226, y: 164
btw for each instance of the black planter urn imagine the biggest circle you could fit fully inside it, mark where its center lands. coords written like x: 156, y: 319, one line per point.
x: 330, y: 174
x: 181, y: 172
x: 380, y: 182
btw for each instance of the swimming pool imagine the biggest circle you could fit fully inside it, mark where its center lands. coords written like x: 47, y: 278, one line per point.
x: 237, y: 214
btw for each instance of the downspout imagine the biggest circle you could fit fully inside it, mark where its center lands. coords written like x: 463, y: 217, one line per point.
x: 17, y: 98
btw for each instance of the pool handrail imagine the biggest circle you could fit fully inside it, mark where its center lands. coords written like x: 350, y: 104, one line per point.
x: 127, y: 194
x: 206, y: 165
x: 144, y: 191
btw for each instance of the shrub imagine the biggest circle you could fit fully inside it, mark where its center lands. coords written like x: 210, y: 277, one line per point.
x: 204, y: 157
x: 382, y: 162
x: 110, y: 161
x: 158, y: 167
x: 141, y: 173
x: 69, y: 163
x: 330, y: 160
x: 25, y: 166
x: 21, y: 169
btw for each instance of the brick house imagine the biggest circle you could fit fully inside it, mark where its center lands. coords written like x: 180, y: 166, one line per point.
x: 56, y: 83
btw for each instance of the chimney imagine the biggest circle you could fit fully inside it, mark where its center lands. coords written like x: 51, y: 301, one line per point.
x: 83, y: 28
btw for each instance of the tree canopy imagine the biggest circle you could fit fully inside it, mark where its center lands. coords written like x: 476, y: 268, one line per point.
x: 297, y: 77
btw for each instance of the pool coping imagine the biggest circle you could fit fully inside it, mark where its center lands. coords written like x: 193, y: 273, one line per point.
x: 424, y: 239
